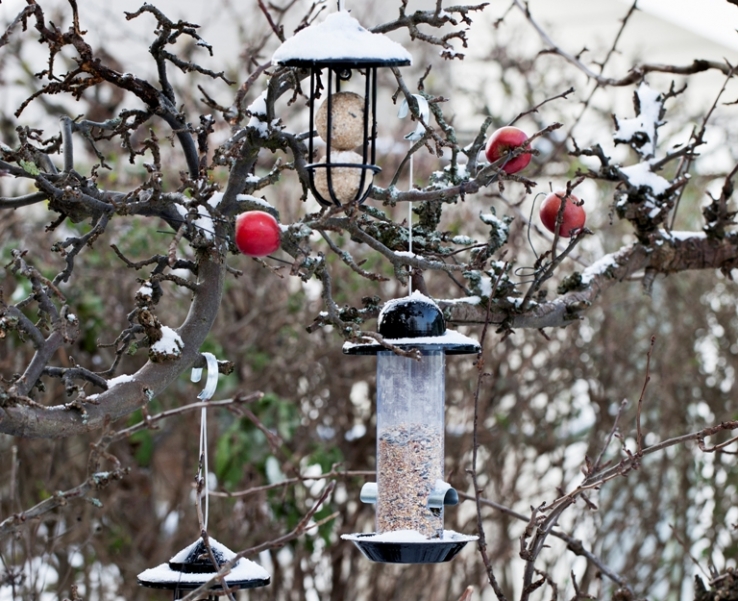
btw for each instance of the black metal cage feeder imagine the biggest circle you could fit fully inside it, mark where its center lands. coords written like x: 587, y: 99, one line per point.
x: 337, y: 49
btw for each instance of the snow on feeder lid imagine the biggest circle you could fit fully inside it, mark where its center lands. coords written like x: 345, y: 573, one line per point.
x: 410, y: 493
x: 192, y: 567
x: 414, y: 321
x: 339, y: 45
x: 340, y: 40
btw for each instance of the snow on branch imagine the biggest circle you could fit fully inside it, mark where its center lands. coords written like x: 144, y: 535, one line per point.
x: 640, y: 132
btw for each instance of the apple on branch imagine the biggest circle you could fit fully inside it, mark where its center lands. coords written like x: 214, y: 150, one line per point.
x: 257, y: 233
x: 573, y: 217
x: 502, y: 142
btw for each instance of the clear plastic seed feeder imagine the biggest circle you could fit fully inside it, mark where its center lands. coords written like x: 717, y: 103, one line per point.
x: 410, y: 493
x: 336, y: 49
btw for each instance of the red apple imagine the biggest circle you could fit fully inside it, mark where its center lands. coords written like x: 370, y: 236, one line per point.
x: 257, y: 233
x: 573, y: 218
x: 502, y: 142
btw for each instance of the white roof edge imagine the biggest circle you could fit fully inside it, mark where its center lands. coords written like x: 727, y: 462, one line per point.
x: 339, y: 36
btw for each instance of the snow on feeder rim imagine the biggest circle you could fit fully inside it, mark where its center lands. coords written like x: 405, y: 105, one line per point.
x: 192, y: 567
x: 408, y: 546
x: 410, y: 493
x: 339, y: 45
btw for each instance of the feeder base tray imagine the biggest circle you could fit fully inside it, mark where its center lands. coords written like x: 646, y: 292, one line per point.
x: 378, y: 548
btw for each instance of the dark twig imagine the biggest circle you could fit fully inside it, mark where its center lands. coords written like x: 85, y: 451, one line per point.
x: 30, y: 516
x: 639, y: 434
x: 302, y: 526
x: 481, y: 375
x: 636, y: 74
x: 540, y: 104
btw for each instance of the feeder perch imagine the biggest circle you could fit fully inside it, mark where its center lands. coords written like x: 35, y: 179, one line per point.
x: 336, y: 49
x: 410, y: 493
x: 192, y: 567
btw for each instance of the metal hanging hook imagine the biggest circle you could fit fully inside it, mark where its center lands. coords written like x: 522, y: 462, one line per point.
x: 424, y: 111
x: 207, y: 393
x: 212, y: 380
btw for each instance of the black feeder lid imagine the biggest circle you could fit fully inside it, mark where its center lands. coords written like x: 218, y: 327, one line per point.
x: 415, y: 321
x: 340, y: 42
x: 193, y: 567
x: 389, y: 551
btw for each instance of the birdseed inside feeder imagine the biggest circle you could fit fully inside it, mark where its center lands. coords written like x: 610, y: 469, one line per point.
x: 410, y: 493
x: 346, y: 121
x: 193, y: 566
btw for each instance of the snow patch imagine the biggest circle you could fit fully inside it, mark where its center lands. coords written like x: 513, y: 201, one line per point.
x: 491, y: 219
x: 355, y: 432
x: 258, y: 108
x: 409, y: 536
x: 641, y: 175
x: 254, y: 200
x: 170, y: 344
x: 598, y: 268
x: 122, y: 379
x: 204, y: 220
x: 449, y: 337
x: 416, y: 296
x: 469, y: 300
x: 642, y: 128
x: 145, y: 291
x: 683, y: 235
x: 348, y: 41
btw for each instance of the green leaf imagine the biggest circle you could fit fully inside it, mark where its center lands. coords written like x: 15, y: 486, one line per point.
x: 29, y: 167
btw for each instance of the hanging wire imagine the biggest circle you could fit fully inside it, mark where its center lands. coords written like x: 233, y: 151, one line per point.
x: 207, y: 393
x: 529, y: 273
x: 410, y: 224
x: 413, y: 137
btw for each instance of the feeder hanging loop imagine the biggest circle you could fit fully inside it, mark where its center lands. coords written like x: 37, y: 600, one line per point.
x: 207, y: 393
x: 212, y: 380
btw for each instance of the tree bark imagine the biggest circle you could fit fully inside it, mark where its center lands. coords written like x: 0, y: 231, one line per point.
x: 33, y: 421
x: 663, y: 256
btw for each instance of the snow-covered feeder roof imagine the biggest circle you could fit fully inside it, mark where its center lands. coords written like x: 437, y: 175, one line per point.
x: 341, y: 41
x: 415, y: 321
x: 192, y: 567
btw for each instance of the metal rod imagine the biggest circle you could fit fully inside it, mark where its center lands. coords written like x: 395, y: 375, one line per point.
x: 374, y: 113
x: 329, y: 135
x: 410, y: 226
x: 312, y: 122
x: 311, y: 126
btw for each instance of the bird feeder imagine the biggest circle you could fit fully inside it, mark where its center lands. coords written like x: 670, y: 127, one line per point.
x: 193, y: 566
x: 334, y: 51
x: 410, y: 493
x: 201, y: 562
